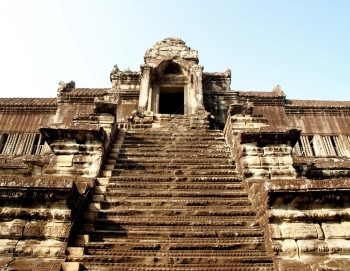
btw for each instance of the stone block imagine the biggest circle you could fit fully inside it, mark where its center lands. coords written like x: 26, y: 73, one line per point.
x: 100, y: 189
x: 34, y: 229
x: 320, y: 234
x: 82, y: 238
x: 70, y: 266
x: 80, y: 158
x: 251, y: 150
x: 312, y: 248
x: 269, y: 161
x: 103, y: 181
x: 98, y: 198
x: 7, y: 246
x: 63, y: 160
x: 256, y: 173
x: 280, y: 150
x: 338, y: 246
x: 286, y: 230
x: 75, y: 251
x: 303, y: 231
x: 47, y: 248
x: 275, y: 231
x: 12, y: 229
x: 333, y: 231
x: 292, y: 265
x: 289, y: 248
x: 298, y: 231
x: 346, y: 226
x: 250, y: 162
x: 57, y: 230
x: 95, y: 206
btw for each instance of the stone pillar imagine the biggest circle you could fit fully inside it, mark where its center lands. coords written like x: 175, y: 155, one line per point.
x: 198, y: 87
x: 145, y: 70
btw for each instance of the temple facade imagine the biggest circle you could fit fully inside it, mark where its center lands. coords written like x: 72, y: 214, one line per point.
x: 171, y: 169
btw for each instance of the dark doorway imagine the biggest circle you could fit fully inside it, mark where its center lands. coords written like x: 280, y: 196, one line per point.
x: 171, y: 100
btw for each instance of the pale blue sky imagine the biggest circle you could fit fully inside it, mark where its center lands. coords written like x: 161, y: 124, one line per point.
x: 302, y: 45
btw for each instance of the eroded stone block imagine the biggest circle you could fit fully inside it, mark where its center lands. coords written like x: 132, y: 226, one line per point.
x: 34, y: 229
x: 275, y: 231
x: 56, y: 230
x: 346, y: 227
x: 12, y: 229
x: 63, y: 160
x: 333, y: 230
x: 70, y: 266
x: 303, y: 231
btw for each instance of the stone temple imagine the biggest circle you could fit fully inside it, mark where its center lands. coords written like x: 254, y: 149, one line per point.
x: 171, y: 169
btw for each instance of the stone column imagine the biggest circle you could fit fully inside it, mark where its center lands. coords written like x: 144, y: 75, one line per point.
x: 198, y: 87
x: 145, y: 70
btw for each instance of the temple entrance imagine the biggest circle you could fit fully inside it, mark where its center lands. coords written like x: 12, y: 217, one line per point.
x: 171, y: 100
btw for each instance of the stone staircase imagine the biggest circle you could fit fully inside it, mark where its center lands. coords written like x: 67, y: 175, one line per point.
x: 169, y: 199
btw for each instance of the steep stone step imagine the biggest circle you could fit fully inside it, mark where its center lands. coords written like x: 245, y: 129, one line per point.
x: 104, y: 264
x: 174, y: 220
x: 201, y: 145
x: 190, y: 179
x: 161, y: 172
x: 174, y: 160
x: 185, y: 231
x: 170, y: 150
x: 174, y: 212
x: 170, y: 194
x: 171, y: 200
x: 110, y: 202
x: 165, y: 165
x: 172, y: 185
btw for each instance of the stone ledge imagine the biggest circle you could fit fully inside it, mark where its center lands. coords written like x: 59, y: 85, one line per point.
x: 308, y: 185
x: 36, y: 182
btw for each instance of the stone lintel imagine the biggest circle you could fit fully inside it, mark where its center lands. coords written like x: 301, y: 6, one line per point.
x: 79, y: 132
x: 268, y: 135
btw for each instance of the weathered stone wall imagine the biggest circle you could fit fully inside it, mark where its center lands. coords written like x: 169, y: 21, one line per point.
x: 306, y: 221
x: 35, y: 220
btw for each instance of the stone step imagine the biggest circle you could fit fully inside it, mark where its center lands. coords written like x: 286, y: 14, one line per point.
x: 162, y: 132
x: 159, y: 263
x: 171, y: 200
x: 171, y: 185
x: 196, y: 203
x: 163, y: 172
x: 151, y: 244
x: 139, y: 253
x: 228, y: 221
x: 173, y: 195
x: 216, y: 229
x: 202, y: 145
x: 170, y: 142
x: 173, y: 212
x: 165, y: 165
x: 170, y: 155
x: 209, y: 179
x: 175, y: 160
x: 171, y: 150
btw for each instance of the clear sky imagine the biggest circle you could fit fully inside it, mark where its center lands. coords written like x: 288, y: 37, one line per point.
x: 304, y: 46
